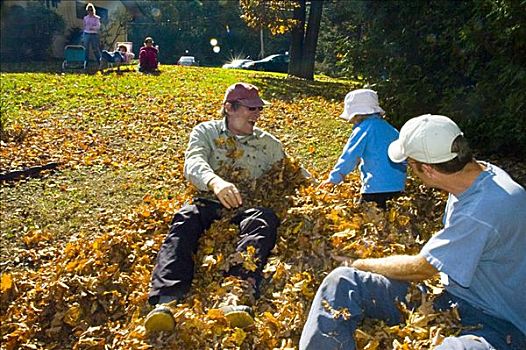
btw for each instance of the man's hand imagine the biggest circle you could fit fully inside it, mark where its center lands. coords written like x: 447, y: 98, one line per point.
x: 344, y: 260
x: 226, y: 192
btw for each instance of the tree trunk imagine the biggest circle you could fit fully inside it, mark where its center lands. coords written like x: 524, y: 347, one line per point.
x: 303, y: 43
x: 311, y: 40
x: 261, y: 44
x: 296, y: 40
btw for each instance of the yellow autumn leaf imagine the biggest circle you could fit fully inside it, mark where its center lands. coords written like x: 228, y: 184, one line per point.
x: 372, y: 345
x: 271, y: 319
x: 215, y: 314
x: 250, y: 259
x: 238, y: 336
x: 71, y: 265
x: 403, y: 220
x: 6, y: 282
x: 72, y: 316
x: 392, y: 214
x: 280, y: 272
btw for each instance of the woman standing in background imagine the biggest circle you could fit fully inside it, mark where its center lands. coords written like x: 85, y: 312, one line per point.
x: 91, y: 32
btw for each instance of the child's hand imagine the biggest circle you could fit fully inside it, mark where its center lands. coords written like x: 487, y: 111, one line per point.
x: 326, y: 185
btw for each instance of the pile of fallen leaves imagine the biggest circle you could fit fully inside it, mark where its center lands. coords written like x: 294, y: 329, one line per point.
x: 76, y: 271
x: 93, y: 294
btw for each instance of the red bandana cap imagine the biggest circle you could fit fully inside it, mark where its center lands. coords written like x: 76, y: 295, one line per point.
x: 245, y: 94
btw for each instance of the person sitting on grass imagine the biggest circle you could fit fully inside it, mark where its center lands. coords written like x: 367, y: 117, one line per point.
x: 479, y: 253
x: 121, y: 56
x: 148, y: 61
x: 234, y: 141
x: 381, y: 178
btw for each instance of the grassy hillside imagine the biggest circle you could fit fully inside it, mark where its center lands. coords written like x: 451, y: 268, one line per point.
x: 79, y: 243
x: 120, y: 137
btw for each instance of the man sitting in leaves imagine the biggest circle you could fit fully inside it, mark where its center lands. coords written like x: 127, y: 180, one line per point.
x: 219, y: 153
x: 479, y: 253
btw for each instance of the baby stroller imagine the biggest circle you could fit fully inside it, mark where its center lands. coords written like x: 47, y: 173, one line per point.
x: 74, y: 57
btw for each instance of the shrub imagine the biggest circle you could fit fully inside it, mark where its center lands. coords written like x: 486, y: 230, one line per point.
x: 460, y: 59
x: 27, y: 32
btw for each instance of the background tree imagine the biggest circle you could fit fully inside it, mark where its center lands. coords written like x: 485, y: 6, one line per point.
x: 461, y: 59
x: 275, y: 16
x: 27, y: 32
x: 50, y: 3
x: 113, y: 28
x: 282, y: 16
x: 186, y: 27
x: 304, y: 39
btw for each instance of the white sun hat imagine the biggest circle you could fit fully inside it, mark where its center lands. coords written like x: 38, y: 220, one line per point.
x: 427, y: 139
x: 361, y: 102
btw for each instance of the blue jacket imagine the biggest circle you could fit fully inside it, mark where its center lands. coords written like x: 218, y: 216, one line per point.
x: 367, y: 146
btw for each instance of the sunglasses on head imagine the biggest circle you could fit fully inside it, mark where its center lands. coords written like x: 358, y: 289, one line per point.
x: 252, y: 109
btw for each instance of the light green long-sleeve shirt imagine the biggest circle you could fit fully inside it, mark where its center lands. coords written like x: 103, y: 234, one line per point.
x: 212, y: 145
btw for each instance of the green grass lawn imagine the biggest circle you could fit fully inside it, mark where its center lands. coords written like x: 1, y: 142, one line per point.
x: 120, y: 137
x: 78, y: 243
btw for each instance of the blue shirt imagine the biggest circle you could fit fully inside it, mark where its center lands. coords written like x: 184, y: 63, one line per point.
x: 367, y: 146
x: 482, y: 247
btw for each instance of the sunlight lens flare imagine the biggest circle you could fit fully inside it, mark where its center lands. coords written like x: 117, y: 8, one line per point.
x: 156, y: 12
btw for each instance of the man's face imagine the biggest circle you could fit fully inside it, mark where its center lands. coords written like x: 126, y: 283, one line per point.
x: 242, y: 120
x: 418, y: 170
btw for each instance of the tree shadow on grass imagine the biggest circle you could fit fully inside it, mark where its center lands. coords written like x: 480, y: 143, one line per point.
x: 289, y: 88
x: 53, y: 66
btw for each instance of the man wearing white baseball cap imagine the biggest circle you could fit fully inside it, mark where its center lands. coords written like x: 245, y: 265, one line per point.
x: 381, y: 178
x: 479, y: 252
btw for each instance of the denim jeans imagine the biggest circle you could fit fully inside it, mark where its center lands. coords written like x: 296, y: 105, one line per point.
x: 487, y: 332
x: 174, y: 269
x: 370, y: 295
x: 113, y: 57
x: 91, y: 40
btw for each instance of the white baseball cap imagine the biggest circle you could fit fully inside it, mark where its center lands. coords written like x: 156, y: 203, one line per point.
x: 427, y: 139
x: 360, y: 102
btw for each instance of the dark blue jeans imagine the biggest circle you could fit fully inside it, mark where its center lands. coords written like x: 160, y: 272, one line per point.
x: 91, y: 40
x: 113, y: 57
x: 174, y: 270
x: 380, y: 198
x: 370, y: 295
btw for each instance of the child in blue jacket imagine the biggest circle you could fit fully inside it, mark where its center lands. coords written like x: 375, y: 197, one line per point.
x: 367, y: 147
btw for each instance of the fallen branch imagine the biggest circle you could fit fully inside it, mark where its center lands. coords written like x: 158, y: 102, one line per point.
x: 27, y: 172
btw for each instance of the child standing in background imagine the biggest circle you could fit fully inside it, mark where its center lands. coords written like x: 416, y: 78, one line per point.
x: 367, y: 147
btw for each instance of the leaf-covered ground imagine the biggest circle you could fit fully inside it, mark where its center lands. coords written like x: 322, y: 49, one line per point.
x: 79, y: 243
